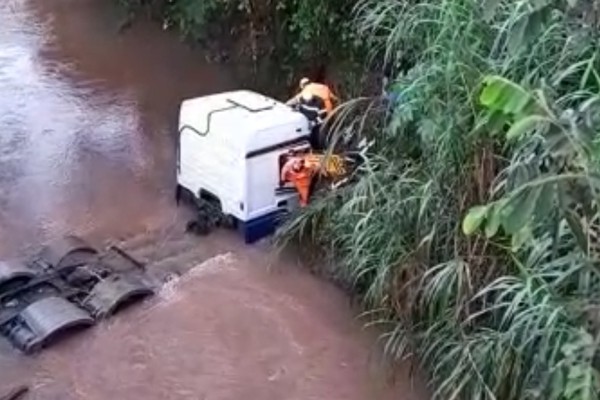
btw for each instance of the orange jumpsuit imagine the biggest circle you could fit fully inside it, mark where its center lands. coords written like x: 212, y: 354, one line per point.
x: 321, y: 91
x: 296, y: 172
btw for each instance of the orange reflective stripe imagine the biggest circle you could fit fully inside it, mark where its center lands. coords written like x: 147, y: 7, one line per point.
x: 301, y: 181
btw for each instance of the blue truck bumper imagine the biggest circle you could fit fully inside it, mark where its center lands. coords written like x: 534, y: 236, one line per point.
x: 259, y: 228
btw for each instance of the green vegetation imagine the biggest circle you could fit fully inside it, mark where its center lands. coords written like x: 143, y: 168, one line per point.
x: 289, y: 32
x: 471, y: 231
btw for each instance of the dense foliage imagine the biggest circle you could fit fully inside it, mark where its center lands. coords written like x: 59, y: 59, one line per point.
x: 293, y: 32
x: 471, y: 230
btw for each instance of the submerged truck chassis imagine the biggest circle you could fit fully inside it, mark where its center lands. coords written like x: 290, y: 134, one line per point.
x: 68, y: 286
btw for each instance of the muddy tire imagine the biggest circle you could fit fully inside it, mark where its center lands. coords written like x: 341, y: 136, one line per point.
x: 183, y: 196
x: 228, y: 222
x: 208, y: 217
x: 198, y: 227
x: 178, y: 194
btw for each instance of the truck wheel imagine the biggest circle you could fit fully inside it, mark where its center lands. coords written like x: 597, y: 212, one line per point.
x: 197, y: 227
x: 183, y: 195
x: 178, y: 195
x: 205, y: 219
x: 228, y: 221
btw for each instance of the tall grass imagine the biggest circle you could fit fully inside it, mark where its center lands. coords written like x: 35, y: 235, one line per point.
x: 503, y: 315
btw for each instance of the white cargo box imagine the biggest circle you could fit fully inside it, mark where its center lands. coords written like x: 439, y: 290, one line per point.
x: 230, y: 148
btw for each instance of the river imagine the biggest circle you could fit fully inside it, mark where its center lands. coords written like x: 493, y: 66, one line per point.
x: 87, y: 122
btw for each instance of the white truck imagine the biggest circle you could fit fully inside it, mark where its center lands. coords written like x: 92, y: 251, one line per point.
x: 231, y: 149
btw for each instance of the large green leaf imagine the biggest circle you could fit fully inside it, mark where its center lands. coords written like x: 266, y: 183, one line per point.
x: 474, y: 219
x: 520, y: 238
x: 526, y: 125
x: 493, y: 123
x: 546, y: 201
x: 521, y: 175
x: 527, y: 27
x: 494, y: 218
x: 520, y: 209
x: 500, y: 94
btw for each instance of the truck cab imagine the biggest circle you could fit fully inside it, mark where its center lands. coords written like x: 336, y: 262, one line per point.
x: 231, y: 147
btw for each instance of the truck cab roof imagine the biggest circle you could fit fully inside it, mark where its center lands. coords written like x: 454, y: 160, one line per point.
x: 251, y: 120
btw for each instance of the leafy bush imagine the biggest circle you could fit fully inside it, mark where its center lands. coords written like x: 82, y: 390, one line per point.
x: 318, y: 28
x: 192, y: 17
x: 304, y: 31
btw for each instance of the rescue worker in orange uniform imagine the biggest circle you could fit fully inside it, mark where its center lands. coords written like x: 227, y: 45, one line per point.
x: 300, y: 175
x: 318, y: 90
x: 315, y: 101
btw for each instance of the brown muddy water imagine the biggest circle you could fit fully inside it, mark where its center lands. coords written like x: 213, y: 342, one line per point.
x: 87, y: 118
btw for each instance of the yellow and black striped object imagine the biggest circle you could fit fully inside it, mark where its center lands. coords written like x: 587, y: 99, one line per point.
x: 332, y: 166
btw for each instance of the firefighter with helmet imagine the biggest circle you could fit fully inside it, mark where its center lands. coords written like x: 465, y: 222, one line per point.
x: 300, y: 175
x: 315, y: 101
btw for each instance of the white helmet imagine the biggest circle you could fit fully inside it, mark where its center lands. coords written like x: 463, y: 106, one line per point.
x: 304, y: 82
